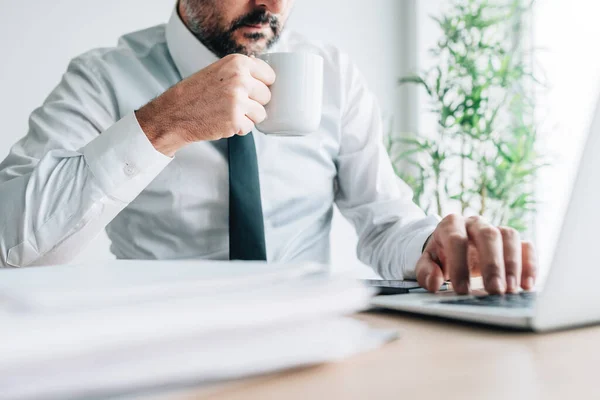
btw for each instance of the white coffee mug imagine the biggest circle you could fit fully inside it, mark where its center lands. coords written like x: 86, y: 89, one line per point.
x: 296, y: 96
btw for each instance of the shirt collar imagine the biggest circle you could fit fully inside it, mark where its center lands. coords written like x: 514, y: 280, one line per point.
x: 188, y: 53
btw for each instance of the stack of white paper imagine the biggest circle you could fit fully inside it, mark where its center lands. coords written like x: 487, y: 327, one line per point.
x: 80, y: 331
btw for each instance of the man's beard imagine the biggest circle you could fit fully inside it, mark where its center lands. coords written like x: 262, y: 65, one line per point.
x: 208, y: 27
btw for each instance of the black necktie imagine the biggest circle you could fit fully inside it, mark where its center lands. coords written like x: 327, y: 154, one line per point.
x: 246, y: 225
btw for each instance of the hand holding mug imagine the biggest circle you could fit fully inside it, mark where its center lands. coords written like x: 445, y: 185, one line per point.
x: 226, y: 98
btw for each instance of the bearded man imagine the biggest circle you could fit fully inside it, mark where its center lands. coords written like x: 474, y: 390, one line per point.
x: 155, y: 141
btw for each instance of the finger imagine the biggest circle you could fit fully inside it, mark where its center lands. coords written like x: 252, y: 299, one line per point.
x: 246, y: 126
x: 255, y: 111
x: 259, y: 92
x: 473, y: 260
x: 530, y: 266
x: 262, y: 71
x: 511, y: 244
x: 429, y: 273
x: 452, y: 236
x: 488, y: 241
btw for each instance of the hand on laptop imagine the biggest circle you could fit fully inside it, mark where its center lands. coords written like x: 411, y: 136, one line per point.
x: 461, y: 248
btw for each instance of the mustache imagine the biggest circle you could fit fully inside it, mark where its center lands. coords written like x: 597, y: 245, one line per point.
x: 257, y: 17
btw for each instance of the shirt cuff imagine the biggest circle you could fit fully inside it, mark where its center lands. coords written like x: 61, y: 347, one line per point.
x: 414, y: 249
x: 123, y: 160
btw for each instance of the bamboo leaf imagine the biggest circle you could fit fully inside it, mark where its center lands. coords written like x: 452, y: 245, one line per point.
x: 415, y: 80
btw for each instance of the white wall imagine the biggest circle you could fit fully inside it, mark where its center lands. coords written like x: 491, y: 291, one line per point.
x: 428, y: 34
x: 39, y: 37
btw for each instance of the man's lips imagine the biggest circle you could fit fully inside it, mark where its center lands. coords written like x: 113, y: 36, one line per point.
x: 255, y: 27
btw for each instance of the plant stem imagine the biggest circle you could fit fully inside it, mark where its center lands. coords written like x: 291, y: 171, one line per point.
x: 463, y: 204
x: 438, y: 197
x: 437, y: 168
x: 483, y: 195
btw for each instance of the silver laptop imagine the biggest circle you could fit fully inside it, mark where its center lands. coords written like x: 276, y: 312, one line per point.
x: 570, y: 296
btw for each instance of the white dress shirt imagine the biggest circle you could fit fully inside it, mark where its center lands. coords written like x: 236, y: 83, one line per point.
x: 85, y: 165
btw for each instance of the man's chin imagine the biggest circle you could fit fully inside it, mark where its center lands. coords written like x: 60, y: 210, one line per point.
x: 253, y: 47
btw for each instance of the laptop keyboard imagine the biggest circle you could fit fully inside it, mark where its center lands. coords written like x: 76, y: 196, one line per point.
x: 516, y: 300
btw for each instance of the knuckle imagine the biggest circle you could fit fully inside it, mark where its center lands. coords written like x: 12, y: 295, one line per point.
x: 238, y: 95
x: 509, y: 233
x: 457, y: 273
x: 452, y: 219
x: 531, y: 271
x: 455, y: 239
x: 237, y: 59
x: 237, y: 80
x: 491, y: 277
x: 475, y: 219
x: 490, y: 233
x: 230, y: 93
x: 511, y: 265
x: 491, y: 270
x: 528, y: 244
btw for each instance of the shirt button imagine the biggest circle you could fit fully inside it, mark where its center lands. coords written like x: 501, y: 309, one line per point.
x: 130, y: 170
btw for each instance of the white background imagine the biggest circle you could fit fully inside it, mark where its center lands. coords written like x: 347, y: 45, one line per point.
x: 39, y: 37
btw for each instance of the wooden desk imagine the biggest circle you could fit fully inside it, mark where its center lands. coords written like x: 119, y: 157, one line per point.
x: 436, y: 358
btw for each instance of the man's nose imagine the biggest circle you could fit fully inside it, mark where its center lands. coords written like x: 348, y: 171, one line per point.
x: 273, y: 6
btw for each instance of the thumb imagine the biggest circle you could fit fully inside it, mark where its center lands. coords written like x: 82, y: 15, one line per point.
x: 429, y: 273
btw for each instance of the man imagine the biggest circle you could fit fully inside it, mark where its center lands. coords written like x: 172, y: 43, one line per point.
x: 154, y: 140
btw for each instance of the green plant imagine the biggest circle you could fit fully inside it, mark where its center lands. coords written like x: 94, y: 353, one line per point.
x: 482, y: 159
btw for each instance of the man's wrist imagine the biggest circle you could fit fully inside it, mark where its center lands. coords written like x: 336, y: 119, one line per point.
x: 165, y: 141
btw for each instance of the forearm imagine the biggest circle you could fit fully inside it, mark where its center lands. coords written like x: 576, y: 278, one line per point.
x: 391, y: 235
